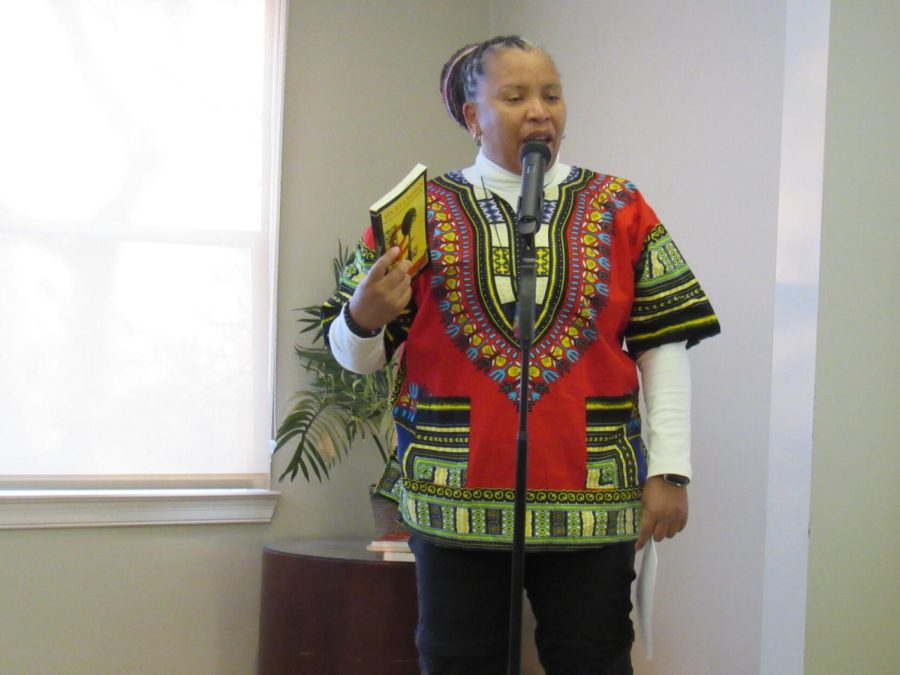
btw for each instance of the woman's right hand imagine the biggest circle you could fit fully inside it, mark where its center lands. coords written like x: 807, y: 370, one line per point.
x: 384, y: 293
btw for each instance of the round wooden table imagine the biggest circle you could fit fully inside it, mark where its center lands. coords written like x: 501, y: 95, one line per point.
x: 331, y: 607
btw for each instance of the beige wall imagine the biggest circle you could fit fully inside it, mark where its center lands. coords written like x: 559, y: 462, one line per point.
x: 362, y: 106
x: 854, y: 576
x: 143, y: 601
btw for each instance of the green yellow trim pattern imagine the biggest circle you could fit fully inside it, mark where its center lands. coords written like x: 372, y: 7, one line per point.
x: 669, y: 304
x: 483, y: 517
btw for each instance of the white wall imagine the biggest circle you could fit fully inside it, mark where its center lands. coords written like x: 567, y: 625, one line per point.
x: 794, y: 338
x: 686, y: 100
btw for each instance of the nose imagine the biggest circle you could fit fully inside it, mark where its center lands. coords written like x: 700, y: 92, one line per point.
x: 537, y: 110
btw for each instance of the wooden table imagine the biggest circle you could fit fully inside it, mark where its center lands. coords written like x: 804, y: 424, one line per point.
x: 331, y: 607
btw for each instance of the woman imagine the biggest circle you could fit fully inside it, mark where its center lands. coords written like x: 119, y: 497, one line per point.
x: 607, y: 272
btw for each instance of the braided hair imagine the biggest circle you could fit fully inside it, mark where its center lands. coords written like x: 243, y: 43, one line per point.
x: 462, y: 72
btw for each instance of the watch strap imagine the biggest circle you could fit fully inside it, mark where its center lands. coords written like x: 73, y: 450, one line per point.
x: 676, y: 479
x: 355, y: 328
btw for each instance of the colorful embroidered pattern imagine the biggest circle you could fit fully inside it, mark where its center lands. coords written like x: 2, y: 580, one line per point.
x: 573, y: 263
x: 391, y: 481
x: 607, y: 271
x: 439, y: 451
x: 436, y: 455
x: 669, y: 304
x: 615, y: 453
x: 554, y: 519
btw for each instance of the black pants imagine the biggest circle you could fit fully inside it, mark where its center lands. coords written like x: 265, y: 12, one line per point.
x: 581, y: 601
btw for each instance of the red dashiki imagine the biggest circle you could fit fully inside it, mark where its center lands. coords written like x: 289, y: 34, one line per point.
x: 610, y: 284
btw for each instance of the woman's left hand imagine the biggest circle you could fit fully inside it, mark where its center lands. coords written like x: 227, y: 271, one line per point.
x: 665, y: 511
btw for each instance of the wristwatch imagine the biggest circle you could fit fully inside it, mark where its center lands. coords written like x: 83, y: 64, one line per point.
x: 355, y: 328
x: 676, y: 480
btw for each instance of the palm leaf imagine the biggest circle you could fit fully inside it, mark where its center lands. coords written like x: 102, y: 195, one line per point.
x: 337, y: 408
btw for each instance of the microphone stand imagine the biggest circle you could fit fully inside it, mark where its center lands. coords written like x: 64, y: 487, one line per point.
x: 527, y: 225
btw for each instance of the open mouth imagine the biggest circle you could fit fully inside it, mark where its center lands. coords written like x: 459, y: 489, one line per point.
x: 541, y: 138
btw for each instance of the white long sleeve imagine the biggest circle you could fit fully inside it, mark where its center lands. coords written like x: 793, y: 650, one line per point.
x: 666, y: 379
x: 358, y: 354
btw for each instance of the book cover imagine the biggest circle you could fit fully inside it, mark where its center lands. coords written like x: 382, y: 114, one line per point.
x: 399, y: 219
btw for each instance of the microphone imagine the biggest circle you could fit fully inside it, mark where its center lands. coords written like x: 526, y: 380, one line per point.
x: 535, y: 155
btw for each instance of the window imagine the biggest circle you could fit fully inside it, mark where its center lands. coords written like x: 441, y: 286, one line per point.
x: 137, y: 146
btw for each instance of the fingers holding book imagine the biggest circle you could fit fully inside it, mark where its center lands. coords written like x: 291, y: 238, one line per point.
x: 384, y: 293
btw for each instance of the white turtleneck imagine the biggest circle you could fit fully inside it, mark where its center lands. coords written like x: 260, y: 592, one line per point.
x: 506, y: 184
x: 665, y: 370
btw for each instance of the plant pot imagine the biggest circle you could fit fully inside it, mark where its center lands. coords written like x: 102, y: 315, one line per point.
x: 386, y: 516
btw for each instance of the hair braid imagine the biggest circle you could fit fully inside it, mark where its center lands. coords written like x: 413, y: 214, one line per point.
x: 462, y: 72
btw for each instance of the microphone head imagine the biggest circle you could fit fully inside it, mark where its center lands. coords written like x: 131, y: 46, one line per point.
x: 536, y: 146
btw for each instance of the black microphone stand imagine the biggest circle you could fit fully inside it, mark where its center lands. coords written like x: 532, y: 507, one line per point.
x: 527, y: 223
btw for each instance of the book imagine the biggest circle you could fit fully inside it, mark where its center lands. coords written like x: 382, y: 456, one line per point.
x: 399, y: 219
x: 401, y: 556
x: 393, y: 547
x: 398, y: 542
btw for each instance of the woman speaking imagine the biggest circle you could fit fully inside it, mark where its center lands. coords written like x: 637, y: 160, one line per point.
x: 613, y: 296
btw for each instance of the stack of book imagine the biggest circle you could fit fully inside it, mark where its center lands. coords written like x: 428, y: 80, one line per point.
x: 393, y: 547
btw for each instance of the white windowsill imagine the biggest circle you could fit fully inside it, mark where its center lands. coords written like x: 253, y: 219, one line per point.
x: 32, y: 509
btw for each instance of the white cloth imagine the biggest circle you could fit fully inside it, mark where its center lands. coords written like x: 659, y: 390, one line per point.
x: 356, y: 354
x: 666, y: 379
x: 506, y: 184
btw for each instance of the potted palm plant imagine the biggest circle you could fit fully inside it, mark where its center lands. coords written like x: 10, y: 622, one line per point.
x: 336, y: 408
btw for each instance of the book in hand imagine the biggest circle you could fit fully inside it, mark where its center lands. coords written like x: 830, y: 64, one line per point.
x: 393, y: 547
x: 398, y: 219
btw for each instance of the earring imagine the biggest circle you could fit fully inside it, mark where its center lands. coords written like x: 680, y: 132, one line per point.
x: 477, y: 138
